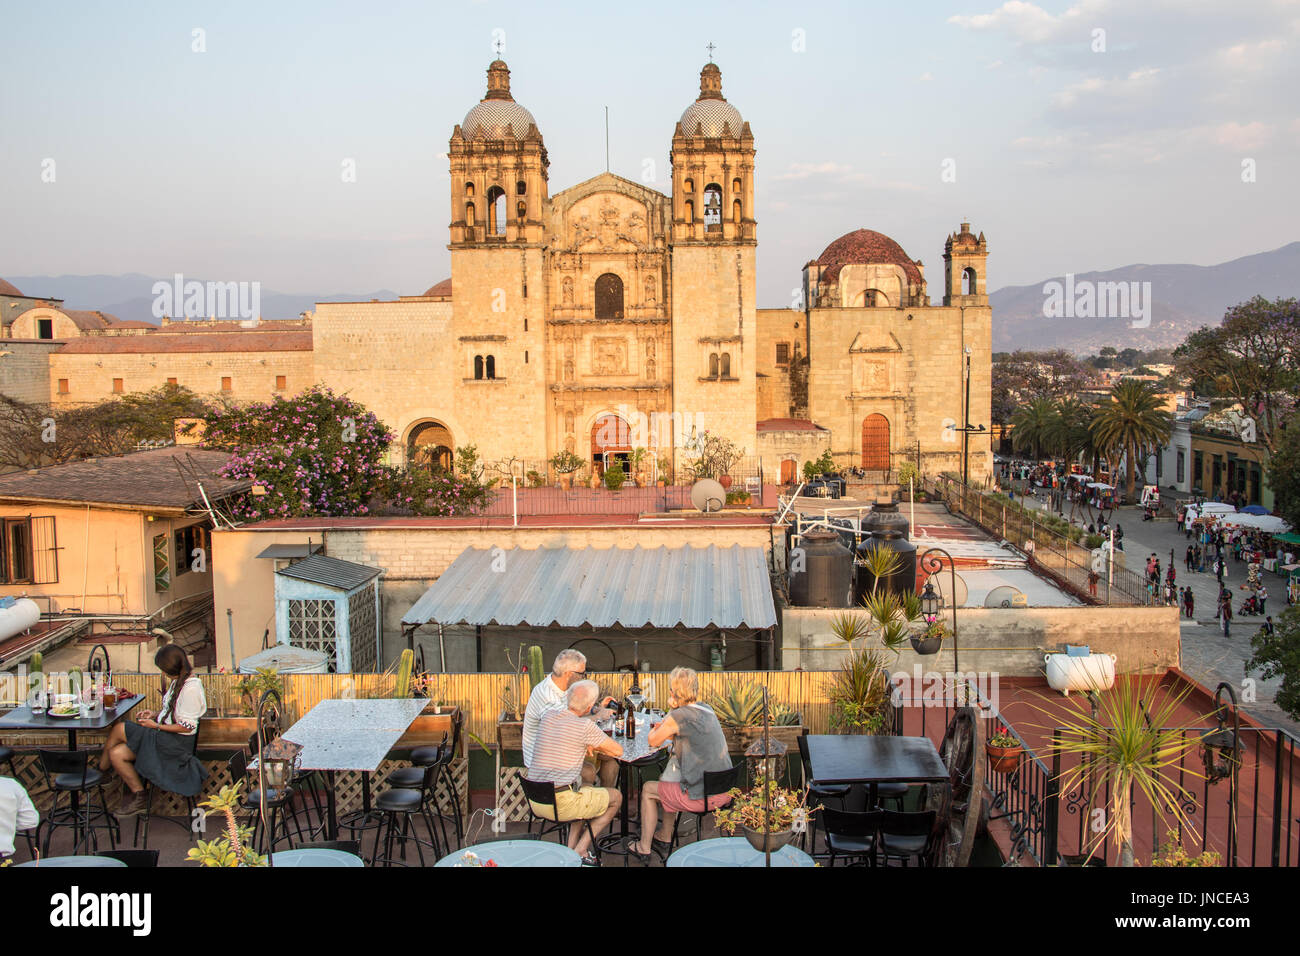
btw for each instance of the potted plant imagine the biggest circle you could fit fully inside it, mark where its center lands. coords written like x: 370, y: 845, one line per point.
x: 766, y: 814
x: 231, y: 847
x: 739, y: 709
x: 931, y: 639
x: 1004, y: 749
x: 565, y: 464
x: 639, y: 456
x: 665, y: 471
x: 614, y: 477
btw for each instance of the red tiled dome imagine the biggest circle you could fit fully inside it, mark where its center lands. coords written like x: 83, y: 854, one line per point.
x: 442, y: 288
x: 8, y: 288
x: 861, y: 247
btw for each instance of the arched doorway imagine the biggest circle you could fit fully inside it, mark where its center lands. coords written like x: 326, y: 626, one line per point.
x: 788, y: 470
x: 875, y: 443
x: 611, y: 441
x: 609, y: 297
x: 430, y: 446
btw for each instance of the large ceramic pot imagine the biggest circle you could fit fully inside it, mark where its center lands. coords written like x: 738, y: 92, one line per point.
x: 725, y: 481
x: 763, y: 842
x: 1003, y: 759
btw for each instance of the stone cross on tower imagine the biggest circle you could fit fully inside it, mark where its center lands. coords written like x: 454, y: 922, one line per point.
x: 497, y: 46
x: 710, y: 48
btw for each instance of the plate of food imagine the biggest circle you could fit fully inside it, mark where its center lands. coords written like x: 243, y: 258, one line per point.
x: 64, y: 711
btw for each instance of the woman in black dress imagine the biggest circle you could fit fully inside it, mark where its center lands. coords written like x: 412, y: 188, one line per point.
x: 159, y: 747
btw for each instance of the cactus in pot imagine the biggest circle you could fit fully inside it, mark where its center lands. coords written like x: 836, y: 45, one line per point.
x: 536, y: 671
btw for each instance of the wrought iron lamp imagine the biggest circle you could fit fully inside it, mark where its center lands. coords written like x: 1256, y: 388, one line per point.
x: 275, y: 760
x: 931, y: 562
x: 1221, y: 751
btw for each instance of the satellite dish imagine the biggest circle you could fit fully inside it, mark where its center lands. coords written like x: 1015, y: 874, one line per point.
x: 1006, y: 596
x: 943, y: 584
x: 708, y: 495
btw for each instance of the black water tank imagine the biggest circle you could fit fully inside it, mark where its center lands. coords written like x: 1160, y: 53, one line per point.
x: 885, y: 516
x: 827, y: 576
x: 902, y: 581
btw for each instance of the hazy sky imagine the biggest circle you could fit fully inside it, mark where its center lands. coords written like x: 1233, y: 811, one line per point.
x: 226, y: 164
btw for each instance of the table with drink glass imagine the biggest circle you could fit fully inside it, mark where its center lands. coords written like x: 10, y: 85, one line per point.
x: 638, y: 753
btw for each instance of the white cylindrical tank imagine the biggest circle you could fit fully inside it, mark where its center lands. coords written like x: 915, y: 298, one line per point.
x: 1093, y: 672
x: 18, y: 617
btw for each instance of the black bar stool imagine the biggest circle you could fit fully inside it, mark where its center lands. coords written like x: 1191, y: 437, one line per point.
x: 191, y: 804
x: 70, y: 772
x: 277, y: 802
x: 405, y: 803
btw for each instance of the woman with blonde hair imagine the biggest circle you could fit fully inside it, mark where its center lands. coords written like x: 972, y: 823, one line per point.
x: 699, y: 747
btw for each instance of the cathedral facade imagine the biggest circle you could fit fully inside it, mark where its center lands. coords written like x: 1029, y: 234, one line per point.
x: 602, y: 318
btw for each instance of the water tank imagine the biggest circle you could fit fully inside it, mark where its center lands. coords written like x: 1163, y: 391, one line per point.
x: 885, y: 516
x: 18, y: 616
x: 826, y: 579
x: 902, y: 581
x: 287, y: 659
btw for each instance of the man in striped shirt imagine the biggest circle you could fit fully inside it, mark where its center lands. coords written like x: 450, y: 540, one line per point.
x: 564, y: 737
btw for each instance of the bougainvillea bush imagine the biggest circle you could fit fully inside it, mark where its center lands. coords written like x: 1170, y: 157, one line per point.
x: 315, y: 454
x: 318, y: 454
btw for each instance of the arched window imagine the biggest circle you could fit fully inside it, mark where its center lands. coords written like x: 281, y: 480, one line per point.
x: 609, y: 297
x: 491, y: 363
x: 735, y: 212
x: 521, y: 188
x: 688, y: 186
x: 430, y: 445
x: 690, y: 210
x: 496, y: 212
x: 469, y: 190
x: 724, y: 366
x: 968, y: 281
x: 712, y: 207
x: 521, y: 210
x: 478, y: 366
x: 469, y: 214
x: 713, y: 365
x: 735, y: 185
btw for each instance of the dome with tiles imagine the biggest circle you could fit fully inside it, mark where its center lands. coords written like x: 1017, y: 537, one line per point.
x: 711, y: 112
x: 498, y: 115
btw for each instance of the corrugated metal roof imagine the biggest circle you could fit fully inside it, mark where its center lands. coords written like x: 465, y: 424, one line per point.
x: 573, y: 587
x: 283, y: 551
x: 331, y: 572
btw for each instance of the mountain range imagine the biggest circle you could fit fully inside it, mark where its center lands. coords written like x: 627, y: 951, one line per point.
x: 1181, y: 299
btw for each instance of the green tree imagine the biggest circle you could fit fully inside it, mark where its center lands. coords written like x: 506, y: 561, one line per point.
x: 1278, y: 655
x: 1069, y: 434
x: 1252, y: 358
x: 1284, y: 469
x: 1032, y: 426
x: 1132, y: 422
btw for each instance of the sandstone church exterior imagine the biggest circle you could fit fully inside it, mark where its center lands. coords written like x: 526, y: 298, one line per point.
x: 608, y: 316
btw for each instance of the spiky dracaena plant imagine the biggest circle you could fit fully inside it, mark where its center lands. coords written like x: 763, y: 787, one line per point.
x: 230, y: 848
x: 1132, y: 743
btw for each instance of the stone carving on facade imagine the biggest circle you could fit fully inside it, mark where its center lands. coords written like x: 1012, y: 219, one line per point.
x: 650, y: 291
x: 567, y: 287
x: 609, y: 356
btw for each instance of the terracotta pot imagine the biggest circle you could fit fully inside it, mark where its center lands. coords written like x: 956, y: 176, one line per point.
x: 725, y: 481
x: 1003, y: 759
x: 761, y: 841
x: 566, y: 480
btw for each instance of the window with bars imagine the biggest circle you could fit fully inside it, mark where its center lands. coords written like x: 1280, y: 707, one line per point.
x: 782, y: 353
x: 311, y: 625
x: 162, y: 573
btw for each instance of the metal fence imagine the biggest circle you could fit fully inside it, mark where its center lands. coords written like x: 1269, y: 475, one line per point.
x: 1056, y: 555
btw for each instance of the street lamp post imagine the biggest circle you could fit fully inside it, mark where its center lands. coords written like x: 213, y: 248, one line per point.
x: 967, y: 429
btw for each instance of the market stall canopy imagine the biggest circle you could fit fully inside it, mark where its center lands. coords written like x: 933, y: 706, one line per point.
x: 1217, y: 508
x: 1254, y: 510
x: 1271, y: 524
x: 661, y: 587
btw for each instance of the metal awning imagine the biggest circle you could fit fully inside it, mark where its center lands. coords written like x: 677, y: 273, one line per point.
x: 286, y: 551
x: 331, y: 572
x: 663, y: 587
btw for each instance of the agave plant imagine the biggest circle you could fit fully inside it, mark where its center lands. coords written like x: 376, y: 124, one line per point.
x: 738, y: 704
x: 1132, y: 743
x: 859, y: 693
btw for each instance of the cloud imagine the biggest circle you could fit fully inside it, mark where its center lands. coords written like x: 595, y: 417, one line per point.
x: 1243, y: 136
x: 1030, y: 23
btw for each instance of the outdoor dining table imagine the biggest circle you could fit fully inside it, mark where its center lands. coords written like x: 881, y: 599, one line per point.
x: 354, y: 734
x: 637, y: 752
x: 734, y: 851
x: 72, y: 861
x: 516, y: 853
x: 316, y: 857
x: 871, y: 760
x: 22, y: 718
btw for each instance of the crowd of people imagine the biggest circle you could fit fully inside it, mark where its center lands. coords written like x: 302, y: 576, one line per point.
x: 564, y: 746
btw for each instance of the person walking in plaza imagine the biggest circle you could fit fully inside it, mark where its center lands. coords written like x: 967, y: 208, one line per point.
x: 1093, y: 578
x: 1189, y: 602
x: 1225, y: 611
x: 1187, y: 561
x: 1262, y: 595
x: 1267, y: 626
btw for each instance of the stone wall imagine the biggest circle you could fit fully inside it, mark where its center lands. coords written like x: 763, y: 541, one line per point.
x: 25, y: 370
x: 774, y: 447
x: 1009, y: 641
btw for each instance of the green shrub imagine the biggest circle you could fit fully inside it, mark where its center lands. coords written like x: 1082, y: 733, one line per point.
x: 614, y: 477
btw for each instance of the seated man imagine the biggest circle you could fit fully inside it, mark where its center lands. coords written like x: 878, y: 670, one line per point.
x: 16, y: 813
x: 570, y: 666
x: 564, y: 738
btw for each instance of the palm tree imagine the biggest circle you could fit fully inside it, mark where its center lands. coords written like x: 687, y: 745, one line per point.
x: 1031, y: 426
x: 1131, y: 422
x: 1070, y: 433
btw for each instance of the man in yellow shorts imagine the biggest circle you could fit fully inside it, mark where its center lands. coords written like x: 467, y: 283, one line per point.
x: 564, y: 738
